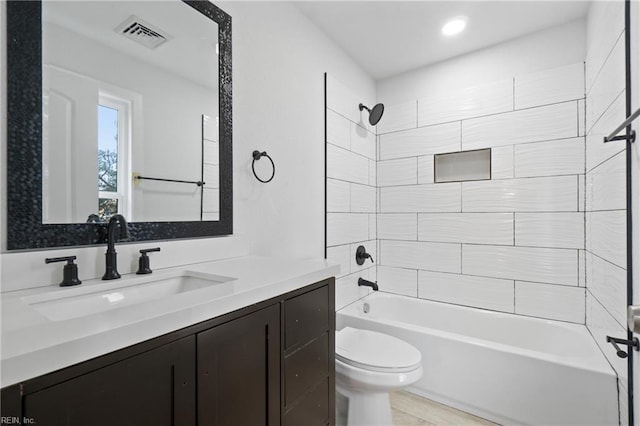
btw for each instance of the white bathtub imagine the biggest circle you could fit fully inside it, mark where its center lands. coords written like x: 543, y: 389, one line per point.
x: 505, y: 368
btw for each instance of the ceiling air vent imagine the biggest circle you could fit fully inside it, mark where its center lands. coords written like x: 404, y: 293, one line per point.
x: 142, y: 32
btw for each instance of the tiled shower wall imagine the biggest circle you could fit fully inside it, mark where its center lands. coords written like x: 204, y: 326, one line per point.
x: 605, y: 184
x: 514, y: 243
x: 351, y: 189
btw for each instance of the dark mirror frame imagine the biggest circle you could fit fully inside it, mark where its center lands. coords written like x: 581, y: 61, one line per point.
x: 25, y: 229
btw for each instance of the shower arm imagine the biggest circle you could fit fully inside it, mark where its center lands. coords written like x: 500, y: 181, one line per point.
x: 631, y: 137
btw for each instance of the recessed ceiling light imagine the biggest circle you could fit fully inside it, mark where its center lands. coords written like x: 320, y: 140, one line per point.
x: 454, y: 26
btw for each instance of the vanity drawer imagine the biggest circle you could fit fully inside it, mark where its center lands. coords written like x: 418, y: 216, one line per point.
x: 306, y: 367
x: 312, y: 409
x: 306, y: 316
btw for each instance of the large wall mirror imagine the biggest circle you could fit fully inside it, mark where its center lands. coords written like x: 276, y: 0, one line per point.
x: 117, y: 107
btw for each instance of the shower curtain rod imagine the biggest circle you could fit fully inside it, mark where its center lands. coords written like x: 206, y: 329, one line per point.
x: 632, y: 137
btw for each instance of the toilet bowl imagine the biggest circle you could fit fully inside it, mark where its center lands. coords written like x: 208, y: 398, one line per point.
x: 368, y: 366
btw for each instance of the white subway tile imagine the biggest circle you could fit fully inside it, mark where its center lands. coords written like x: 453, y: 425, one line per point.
x: 345, y: 165
x: 550, y: 86
x: 398, y: 226
x: 582, y: 117
x: 607, y: 235
x: 443, y: 197
x: 210, y: 215
x: 608, y: 283
x: 502, y: 162
x: 402, y: 171
x: 210, y: 128
x: 342, y: 256
x: 373, y: 176
x: 623, y: 400
x: 398, y: 117
x: 488, y: 293
x: 363, y: 142
x: 549, y: 194
x: 559, y: 157
x: 211, y: 176
x: 346, y: 103
x: 605, y: 25
x: 363, y: 198
x: 398, y: 280
x: 564, y: 230
x: 421, y: 141
x: 530, y: 125
x: 211, y: 153
x: 555, y: 266
x: 371, y: 248
x: 606, y: 185
x: 601, y: 324
x: 608, y: 85
x: 475, y: 228
x: 582, y: 192
x: 551, y: 301
x: 597, y: 150
x: 338, y: 198
x: 210, y: 200
x: 582, y: 268
x: 373, y: 226
x: 348, y: 291
x: 338, y: 132
x: 442, y: 257
x: 344, y: 228
x: 467, y: 102
x: 425, y: 169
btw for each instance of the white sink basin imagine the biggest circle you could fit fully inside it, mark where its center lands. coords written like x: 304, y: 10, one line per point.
x: 79, y: 301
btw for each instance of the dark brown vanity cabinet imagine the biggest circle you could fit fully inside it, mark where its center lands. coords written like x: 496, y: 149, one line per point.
x: 239, y: 371
x: 268, y: 364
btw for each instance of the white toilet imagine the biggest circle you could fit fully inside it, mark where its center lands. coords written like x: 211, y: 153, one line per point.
x: 369, y: 365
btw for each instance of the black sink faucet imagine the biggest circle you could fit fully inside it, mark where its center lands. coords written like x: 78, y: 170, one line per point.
x: 111, y: 271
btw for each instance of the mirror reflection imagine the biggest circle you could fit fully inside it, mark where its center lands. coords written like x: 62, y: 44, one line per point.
x: 130, y: 112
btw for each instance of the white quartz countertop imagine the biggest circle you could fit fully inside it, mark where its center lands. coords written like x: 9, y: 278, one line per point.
x: 34, y: 344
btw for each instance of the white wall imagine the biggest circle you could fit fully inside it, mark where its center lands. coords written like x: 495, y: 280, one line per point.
x: 562, y: 45
x: 279, y: 60
x: 605, y: 191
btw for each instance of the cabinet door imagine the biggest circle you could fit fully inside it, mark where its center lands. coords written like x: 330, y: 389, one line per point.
x: 154, y: 388
x: 239, y: 371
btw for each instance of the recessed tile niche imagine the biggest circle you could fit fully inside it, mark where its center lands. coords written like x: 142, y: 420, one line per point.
x: 462, y: 166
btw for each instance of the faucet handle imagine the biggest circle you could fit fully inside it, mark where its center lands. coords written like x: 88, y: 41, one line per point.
x: 143, y: 262
x: 69, y: 272
x: 362, y: 255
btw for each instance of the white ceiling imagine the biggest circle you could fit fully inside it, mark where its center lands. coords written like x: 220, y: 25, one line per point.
x: 387, y: 38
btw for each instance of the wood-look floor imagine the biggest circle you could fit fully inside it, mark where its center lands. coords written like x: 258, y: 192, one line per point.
x: 408, y: 409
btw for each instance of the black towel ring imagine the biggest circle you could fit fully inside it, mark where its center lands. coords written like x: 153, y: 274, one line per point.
x: 256, y: 156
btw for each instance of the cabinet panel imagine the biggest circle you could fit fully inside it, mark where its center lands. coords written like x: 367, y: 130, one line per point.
x: 239, y: 371
x: 306, y: 316
x: 153, y: 388
x: 306, y: 367
x: 312, y: 409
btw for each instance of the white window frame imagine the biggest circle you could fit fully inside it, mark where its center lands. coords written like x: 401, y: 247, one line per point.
x: 123, y: 107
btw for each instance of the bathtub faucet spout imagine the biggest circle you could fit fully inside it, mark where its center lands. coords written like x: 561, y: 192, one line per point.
x: 365, y: 283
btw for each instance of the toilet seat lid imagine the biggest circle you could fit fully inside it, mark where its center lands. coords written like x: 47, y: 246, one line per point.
x: 375, y: 351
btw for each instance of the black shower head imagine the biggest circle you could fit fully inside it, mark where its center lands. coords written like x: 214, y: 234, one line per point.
x: 375, y: 113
